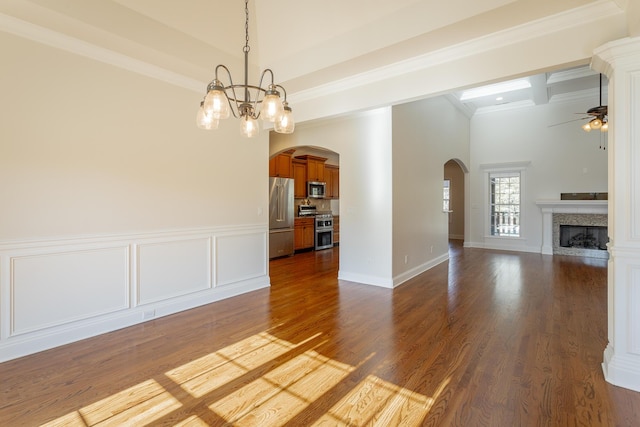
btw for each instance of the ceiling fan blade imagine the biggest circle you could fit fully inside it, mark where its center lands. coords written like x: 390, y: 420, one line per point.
x: 569, y: 121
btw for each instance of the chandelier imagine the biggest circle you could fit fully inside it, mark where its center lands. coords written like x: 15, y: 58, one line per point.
x: 246, y: 102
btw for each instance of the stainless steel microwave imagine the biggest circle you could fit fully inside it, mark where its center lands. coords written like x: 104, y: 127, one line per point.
x: 316, y: 190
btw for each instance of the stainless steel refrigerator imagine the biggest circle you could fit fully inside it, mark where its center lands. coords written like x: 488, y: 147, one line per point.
x: 280, y: 217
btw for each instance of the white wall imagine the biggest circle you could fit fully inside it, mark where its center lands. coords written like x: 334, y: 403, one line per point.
x: 562, y: 158
x: 426, y: 134
x: 115, y: 207
x: 363, y: 142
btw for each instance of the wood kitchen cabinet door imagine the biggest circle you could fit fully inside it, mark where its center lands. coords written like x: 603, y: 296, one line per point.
x: 315, y: 167
x: 299, y: 178
x: 303, y: 233
x: 280, y: 165
x: 315, y: 170
x: 332, y: 178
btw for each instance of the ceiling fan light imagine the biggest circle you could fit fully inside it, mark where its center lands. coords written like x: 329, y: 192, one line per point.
x: 604, y: 127
x: 586, y: 127
x: 595, y: 123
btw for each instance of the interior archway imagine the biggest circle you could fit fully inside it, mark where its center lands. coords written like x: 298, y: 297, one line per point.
x: 454, y: 198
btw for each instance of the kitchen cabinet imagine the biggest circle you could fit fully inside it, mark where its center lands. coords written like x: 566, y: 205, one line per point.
x: 300, y: 178
x: 303, y: 233
x: 336, y: 229
x: 315, y: 167
x: 332, y: 178
x: 281, y: 166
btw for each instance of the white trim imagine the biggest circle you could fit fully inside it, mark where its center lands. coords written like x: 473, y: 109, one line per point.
x: 505, y: 167
x: 79, y: 314
x: 488, y: 169
x: 383, y: 282
x: 402, y: 278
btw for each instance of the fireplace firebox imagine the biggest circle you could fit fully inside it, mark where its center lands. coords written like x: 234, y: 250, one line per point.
x: 584, y: 237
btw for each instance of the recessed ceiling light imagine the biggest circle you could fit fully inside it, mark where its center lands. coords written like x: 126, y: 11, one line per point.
x: 495, y: 88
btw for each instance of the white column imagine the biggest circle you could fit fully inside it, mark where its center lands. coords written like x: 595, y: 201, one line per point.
x: 620, y: 61
x: 547, y: 231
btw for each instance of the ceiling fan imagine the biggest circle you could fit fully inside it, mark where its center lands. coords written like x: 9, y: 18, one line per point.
x: 598, y: 116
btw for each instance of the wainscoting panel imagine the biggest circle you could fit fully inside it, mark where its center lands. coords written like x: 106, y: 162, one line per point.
x: 173, y: 268
x: 240, y: 257
x: 53, y: 292
x: 634, y: 309
x: 58, y: 288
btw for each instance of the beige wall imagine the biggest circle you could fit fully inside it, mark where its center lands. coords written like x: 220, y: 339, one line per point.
x: 87, y: 148
x: 426, y: 134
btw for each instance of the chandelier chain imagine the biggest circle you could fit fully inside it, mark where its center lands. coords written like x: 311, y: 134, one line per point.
x: 246, y: 26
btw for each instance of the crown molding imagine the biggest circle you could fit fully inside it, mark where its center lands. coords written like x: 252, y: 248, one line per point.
x: 575, y: 73
x: 575, y: 17
x: 572, y: 18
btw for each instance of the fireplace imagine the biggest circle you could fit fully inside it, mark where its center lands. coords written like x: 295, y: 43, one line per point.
x: 580, y: 234
x: 574, y: 227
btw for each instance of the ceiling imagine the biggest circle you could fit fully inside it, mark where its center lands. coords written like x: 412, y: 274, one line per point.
x: 328, y: 45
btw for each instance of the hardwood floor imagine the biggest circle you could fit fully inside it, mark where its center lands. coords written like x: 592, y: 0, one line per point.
x: 489, y: 338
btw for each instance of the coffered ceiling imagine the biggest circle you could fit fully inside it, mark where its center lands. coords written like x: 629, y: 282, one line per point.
x: 330, y: 45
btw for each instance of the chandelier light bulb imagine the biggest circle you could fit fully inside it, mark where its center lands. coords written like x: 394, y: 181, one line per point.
x: 285, y: 123
x: 204, y: 120
x: 216, y: 104
x: 249, y: 126
x: 271, y: 105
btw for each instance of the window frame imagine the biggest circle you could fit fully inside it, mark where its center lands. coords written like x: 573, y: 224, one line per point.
x: 500, y: 168
x: 448, y: 199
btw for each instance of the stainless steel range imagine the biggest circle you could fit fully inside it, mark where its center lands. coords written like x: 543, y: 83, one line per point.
x: 324, y: 230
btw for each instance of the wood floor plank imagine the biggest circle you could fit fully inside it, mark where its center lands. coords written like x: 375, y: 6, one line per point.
x: 490, y: 338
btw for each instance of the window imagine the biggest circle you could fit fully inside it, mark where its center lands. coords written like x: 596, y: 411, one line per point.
x: 446, y: 195
x: 504, y: 203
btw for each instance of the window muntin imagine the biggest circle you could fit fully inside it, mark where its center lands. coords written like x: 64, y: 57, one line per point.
x: 504, y: 204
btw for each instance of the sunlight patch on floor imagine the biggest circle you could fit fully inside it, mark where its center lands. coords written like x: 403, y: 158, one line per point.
x: 270, y: 381
x: 281, y: 394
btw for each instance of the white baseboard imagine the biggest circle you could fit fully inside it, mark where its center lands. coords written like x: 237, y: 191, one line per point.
x: 382, y: 282
x: 621, y: 371
x: 403, y: 277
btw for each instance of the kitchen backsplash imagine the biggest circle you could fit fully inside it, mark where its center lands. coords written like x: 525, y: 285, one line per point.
x: 332, y: 205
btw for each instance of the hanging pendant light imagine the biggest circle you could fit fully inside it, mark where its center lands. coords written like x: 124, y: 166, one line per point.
x: 221, y: 101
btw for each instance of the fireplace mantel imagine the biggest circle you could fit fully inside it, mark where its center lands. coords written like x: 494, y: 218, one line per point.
x: 549, y: 207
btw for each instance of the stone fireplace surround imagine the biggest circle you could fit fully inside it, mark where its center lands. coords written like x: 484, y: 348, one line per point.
x: 570, y: 212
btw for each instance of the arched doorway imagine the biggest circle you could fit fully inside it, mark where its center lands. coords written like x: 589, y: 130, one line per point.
x: 454, y: 198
